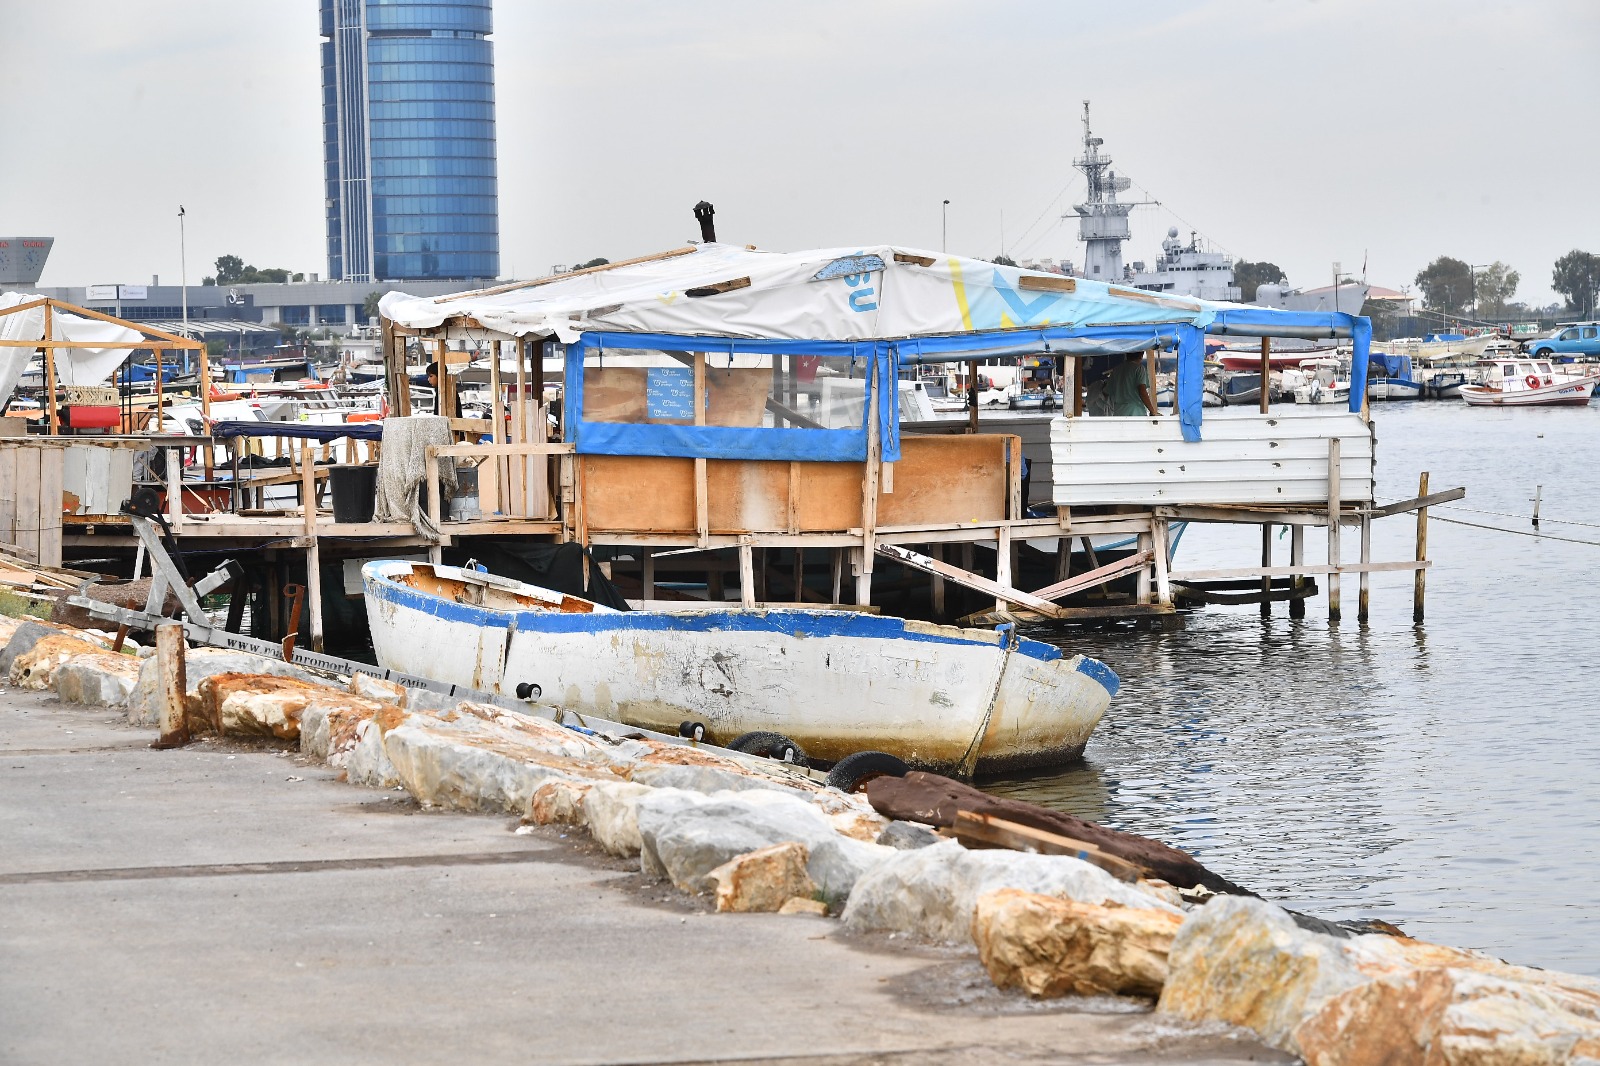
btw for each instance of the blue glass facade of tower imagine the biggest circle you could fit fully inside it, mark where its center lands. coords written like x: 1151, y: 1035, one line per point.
x: 408, y: 132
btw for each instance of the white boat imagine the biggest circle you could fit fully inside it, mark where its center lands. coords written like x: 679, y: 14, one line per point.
x: 1323, y: 385
x: 1526, y: 382
x: 835, y: 682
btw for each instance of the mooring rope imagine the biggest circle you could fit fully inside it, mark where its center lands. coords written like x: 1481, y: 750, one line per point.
x: 1517, y: 532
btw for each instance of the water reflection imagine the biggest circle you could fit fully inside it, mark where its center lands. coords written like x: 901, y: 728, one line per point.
x: 1442, y: 776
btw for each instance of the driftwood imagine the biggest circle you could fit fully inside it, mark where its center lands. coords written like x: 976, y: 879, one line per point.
x: 934, y: 800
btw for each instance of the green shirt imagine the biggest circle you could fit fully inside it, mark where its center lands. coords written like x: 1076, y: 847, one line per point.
x: 1122, y: 389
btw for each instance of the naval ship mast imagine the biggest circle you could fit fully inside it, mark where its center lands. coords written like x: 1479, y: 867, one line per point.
x: 1102, y: 221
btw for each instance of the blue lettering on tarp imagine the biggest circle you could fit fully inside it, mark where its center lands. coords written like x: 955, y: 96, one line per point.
x: 669, y: 392
x: 859, y: 298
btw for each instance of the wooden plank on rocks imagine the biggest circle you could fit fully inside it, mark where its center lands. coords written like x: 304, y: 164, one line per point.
x: 989, y: 830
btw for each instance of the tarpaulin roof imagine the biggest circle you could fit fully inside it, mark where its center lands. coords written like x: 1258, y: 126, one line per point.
x: 74, y: 366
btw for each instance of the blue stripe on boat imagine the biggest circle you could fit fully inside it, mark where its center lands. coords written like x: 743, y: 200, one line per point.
x: 795, y: 623
x: 1100, y: 672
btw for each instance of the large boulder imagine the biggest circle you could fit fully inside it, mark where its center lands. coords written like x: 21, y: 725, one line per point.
x: 267, y: 705
x: 19, y: 635
x: 763, y: 880
x: 560, y: 803
x: 837, y: 862
x: 366, y: 761
x: 1055, y: 947
x: 932, y: 892
x: 1245, y: 961
x: 653, y: 812
x: 695, y: 839
x: 1454, y: 1016
x: 482, y: 758
x: 36, y: 668
x: 610, y: 810
x: 103, y: 679
x: 144, y: 706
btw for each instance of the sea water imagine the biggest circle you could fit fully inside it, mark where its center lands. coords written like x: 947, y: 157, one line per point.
x: 1443, y: 777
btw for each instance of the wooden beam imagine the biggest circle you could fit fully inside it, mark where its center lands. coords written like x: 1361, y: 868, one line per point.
x: 1416, y: 503
x: 987, y: 830
x: 50, y: 375
x: 1099, y: 576
x: 969, y: 579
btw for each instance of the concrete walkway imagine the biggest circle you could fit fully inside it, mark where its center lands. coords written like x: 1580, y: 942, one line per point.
x: 233, y: 904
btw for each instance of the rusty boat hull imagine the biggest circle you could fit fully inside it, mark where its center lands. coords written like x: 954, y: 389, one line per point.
x: 836, y: 682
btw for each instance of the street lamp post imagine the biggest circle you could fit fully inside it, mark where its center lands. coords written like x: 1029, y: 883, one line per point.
x: 944, y: 227
x: 183, y: 282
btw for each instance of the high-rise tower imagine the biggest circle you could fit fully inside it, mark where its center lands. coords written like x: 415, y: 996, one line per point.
x: 408, y: 139
x: 1102, y: 222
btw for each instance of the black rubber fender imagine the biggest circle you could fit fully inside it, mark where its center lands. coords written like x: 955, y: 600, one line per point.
x: 770, y: 745
x: 853, y: 771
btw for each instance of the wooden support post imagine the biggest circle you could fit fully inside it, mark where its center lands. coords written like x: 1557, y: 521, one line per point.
x: 647, y: 577
x: 972, y: 396
x: 1297, y: 555
x: 435, y: 504
x: 863, y: 577
x: 1160, y: 540
x: 747, y: 574
x: 50, y: 373
x: 308, y: 496
x: 1145, y: 544
x: 1419, y: 589
x: 936, y: 591
x: 158, y: 415
x: 872, y: 475
x: 1150, y: 376
x: 1363, y: 597
x: 1333, y: 528
x: 837, y: 562
x: 174, y: 486
x: 702, y: 503
x: 1002, y: 563
x: 444, y: 395
x: 798, y: 578
x: 517, y: 468
x: 1266, y: 372
x: 1266, y: 560
x: 1077, y: 386
x: 172, y: 686
x: 490, y: 489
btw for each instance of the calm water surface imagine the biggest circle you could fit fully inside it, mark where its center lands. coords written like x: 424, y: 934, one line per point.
x: 1442, y: 777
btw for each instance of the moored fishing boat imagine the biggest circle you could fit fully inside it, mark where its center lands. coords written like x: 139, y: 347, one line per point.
x: 835, y: 682
x: 1525, y: 382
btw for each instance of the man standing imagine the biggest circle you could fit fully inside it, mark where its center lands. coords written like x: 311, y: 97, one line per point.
x: 1128, y: 388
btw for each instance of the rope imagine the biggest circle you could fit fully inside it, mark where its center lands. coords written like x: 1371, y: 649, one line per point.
x: 1505, y: 514
x: 1518, y: 532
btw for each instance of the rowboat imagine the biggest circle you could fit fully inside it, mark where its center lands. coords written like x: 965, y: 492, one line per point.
x: 1525, y: 382
x: 835, y: 682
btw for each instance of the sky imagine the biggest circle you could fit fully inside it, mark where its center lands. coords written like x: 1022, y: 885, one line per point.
x: 1304, y: 132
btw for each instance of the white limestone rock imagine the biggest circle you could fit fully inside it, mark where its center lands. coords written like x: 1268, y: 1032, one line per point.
x: 367, y: 762
x: 103, y: 680
x: 611, y: 813
x: 199, y: 664
x: 652, y: 813
x: 931, y: 892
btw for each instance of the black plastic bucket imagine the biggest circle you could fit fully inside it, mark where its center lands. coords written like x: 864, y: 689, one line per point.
x: 355, y: 489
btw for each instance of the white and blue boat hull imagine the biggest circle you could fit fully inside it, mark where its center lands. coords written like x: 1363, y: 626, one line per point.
x: 836, y: 682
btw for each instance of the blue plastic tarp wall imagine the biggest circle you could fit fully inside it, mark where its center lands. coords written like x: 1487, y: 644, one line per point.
x: 1305, y: 325
x: 735, y: 442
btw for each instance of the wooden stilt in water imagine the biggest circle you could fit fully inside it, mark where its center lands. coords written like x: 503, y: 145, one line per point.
x: 1297, y: 555
x: 1266, y: 560
x: 1419, y: 588
x: 1364, y: 596
x: 1333, y: 528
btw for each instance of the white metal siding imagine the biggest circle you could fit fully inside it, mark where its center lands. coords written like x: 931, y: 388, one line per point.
x: 1242, y: 459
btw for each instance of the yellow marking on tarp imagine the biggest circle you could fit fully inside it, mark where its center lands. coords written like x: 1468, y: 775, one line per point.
x: 961, y: 293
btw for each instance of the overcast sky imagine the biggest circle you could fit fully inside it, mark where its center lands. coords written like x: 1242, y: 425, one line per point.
x: 1299, y: 132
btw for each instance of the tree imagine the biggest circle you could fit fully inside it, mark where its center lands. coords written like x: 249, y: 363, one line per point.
x: 1577, y: 277
x: 592, y: 263
x: 229, y: 267
x: 231, y: 270
x: 369, y: 306
x: 1496, y: 284
x: 1446, y: 285
x: 1003, y: 260
x: 1251, y: 276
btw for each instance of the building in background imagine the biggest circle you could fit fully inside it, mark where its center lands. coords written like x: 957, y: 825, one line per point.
x: 409, y: 140
x: 22, y: 260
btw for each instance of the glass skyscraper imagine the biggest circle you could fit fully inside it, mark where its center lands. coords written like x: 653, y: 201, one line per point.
x: 408, y: 135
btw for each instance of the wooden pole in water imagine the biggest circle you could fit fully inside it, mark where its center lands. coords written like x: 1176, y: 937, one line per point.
x: 1333, y: 528
x: 1538, y: 493
x: 1297, y: 555
x: 1266, y: 370
x: 1420, y: 585
x: 1364, y: 596
x: 1266, y: 561
x: 171, y: 686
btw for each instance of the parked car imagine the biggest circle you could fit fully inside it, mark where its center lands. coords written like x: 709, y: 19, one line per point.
x: 1569, y: 339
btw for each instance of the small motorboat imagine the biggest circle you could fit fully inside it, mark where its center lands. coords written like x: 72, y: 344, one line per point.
x: 1527, y: 382
x: 834, y: 682
x: 1323, y: 384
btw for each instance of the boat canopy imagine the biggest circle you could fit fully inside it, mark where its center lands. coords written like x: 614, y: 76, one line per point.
x: 899, y: 305
x: 22, y: 319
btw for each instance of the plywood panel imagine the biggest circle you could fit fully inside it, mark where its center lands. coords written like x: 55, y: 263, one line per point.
x: 26, y: 525
x: 615, y: 394
x: 638, y: 493
x: 8, y: 494
x: 737, y: 395
x: 829, y: 497
x: 748, y: 496
x: 51, y: 461
x: 947, y: 479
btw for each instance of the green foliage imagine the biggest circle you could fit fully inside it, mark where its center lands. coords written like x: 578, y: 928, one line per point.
x: 216, y: 347
x: 1577, y: 277
x: 231, y: 270
x: 592, y: 263
x: 1446, y: 285
x: 1003, y: 260
x: 1251, y: 276
x: 369, y: 306
x: 1496, y: 284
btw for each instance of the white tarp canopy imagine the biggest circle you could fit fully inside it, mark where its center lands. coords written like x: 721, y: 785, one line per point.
x: 838, y: 294
x: 74, y: 366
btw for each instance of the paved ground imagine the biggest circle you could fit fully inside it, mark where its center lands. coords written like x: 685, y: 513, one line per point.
x: 231, y: 904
